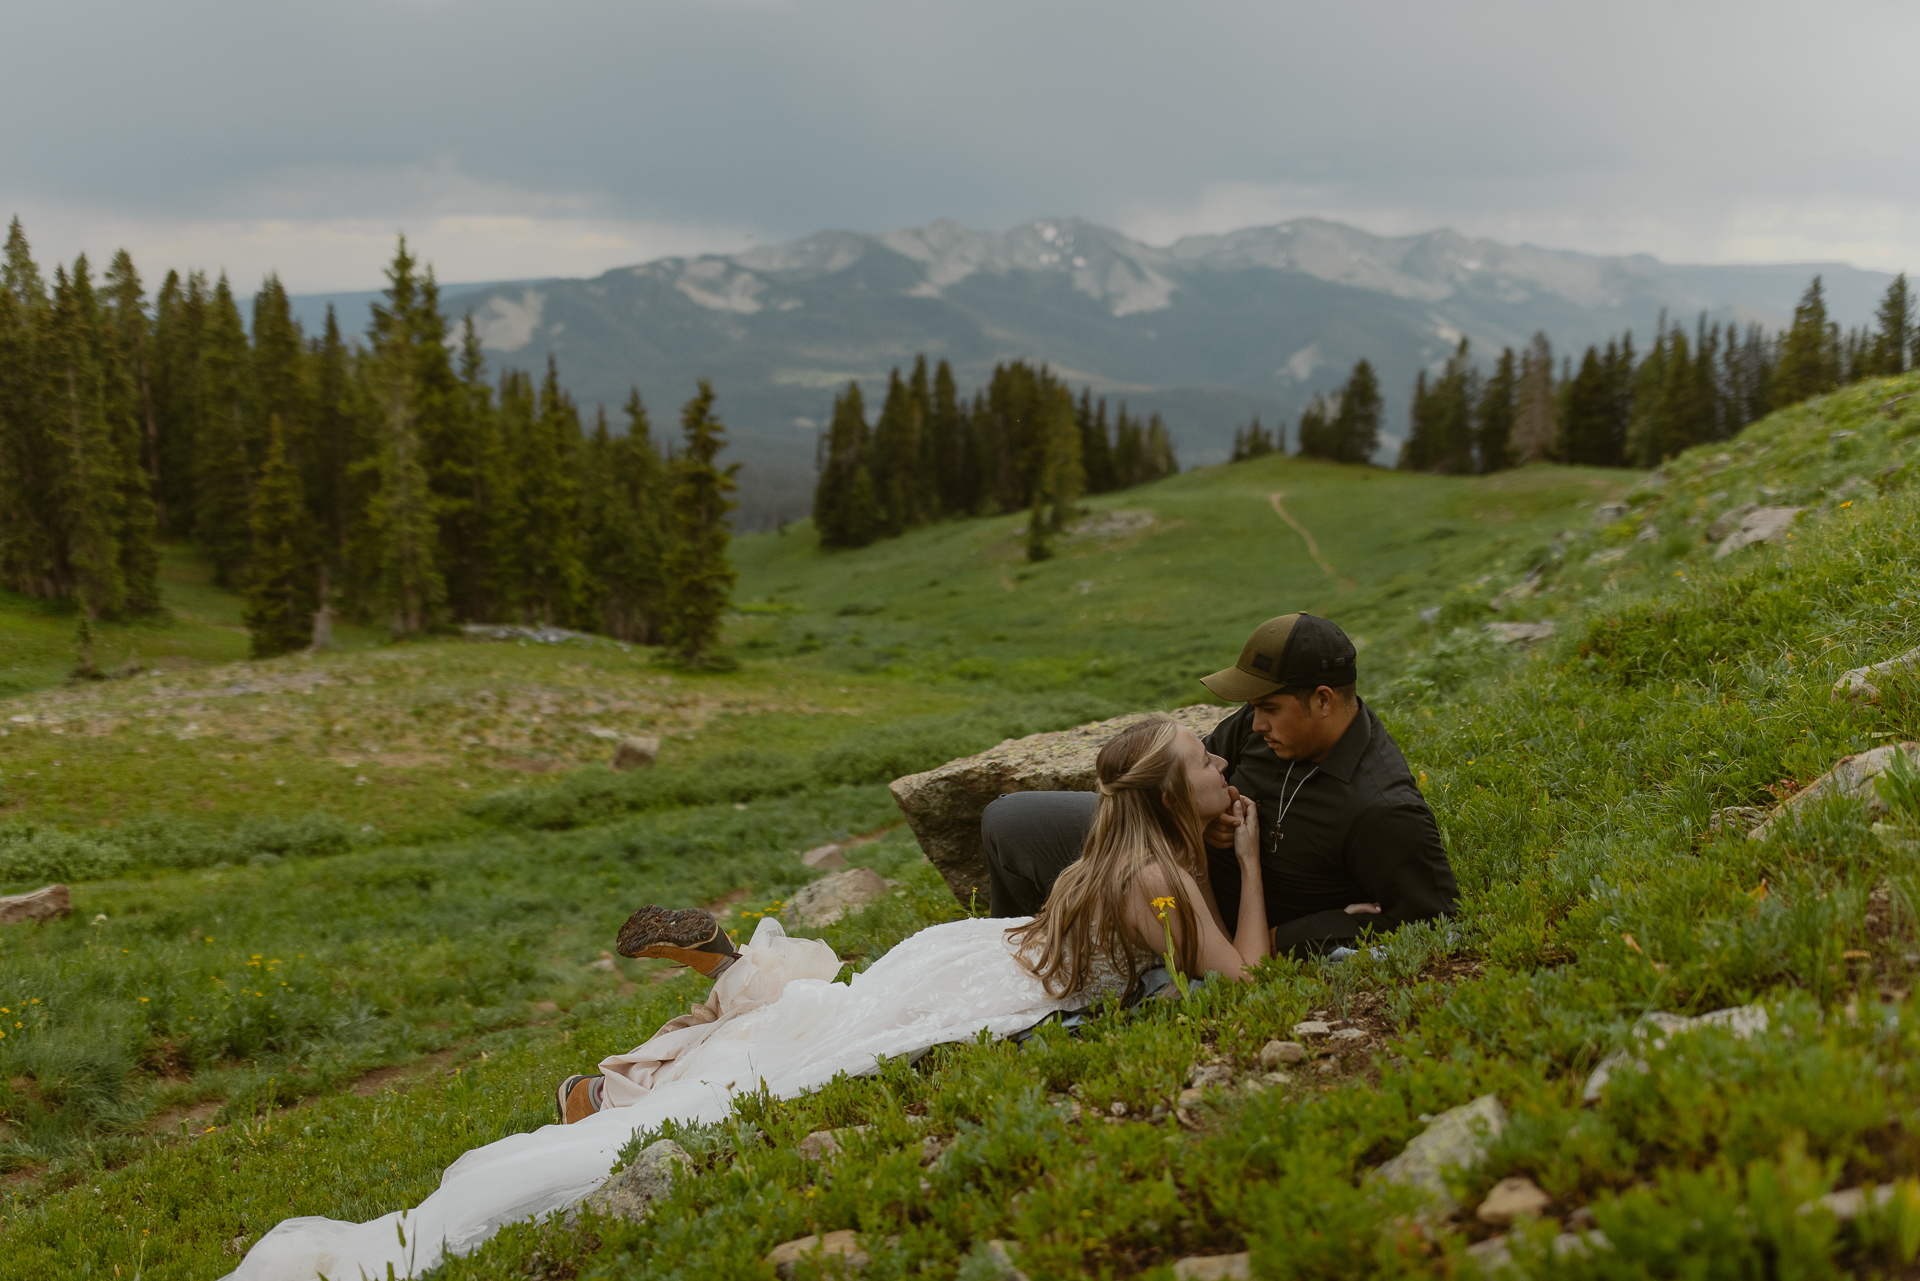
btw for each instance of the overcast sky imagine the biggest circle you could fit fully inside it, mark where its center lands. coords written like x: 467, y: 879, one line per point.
x: 570, y: 136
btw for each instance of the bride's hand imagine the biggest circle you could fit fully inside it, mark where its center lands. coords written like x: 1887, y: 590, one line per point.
x: 1245, y: 817
x: 1219, y: 834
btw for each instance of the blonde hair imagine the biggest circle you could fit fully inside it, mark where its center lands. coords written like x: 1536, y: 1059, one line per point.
x: 1144, y: 818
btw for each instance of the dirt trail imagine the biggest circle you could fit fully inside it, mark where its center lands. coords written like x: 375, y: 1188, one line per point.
x: 1313, y: 548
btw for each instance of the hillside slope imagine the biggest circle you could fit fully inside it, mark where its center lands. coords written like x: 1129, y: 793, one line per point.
x: 1575, y: 786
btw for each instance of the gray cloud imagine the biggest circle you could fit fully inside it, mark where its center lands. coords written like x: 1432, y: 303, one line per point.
x: 285, y: 134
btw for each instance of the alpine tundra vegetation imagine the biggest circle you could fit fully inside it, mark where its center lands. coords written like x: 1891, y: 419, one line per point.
x: 339, y: 917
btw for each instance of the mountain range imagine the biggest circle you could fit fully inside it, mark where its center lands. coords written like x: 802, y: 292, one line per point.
x: 1207, y: 331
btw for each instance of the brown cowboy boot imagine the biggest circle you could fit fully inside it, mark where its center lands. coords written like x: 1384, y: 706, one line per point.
x: 578, y: 1098
x: 690, y: 936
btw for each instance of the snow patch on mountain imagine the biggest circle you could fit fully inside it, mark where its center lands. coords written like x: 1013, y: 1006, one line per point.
x: 507, y: 324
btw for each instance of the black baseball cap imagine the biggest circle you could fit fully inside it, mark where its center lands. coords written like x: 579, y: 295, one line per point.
x: 1288, y: 652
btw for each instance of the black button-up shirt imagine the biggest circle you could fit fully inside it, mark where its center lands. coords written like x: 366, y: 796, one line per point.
x: 1357, y: 830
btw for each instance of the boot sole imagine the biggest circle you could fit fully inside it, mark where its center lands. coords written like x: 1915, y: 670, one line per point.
x: 688, y: 936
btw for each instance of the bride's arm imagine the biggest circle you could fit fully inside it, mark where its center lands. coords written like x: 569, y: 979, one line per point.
x: 1219, y: 954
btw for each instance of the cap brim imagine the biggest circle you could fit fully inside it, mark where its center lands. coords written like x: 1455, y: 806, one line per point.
x: 1237, y: 686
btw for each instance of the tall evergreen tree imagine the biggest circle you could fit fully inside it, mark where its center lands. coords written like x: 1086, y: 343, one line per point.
x: 1493, y: 420
x: 955, y: 470
x: 1096, y: 450
x: 1894, y: 330
x: 179, y: 323
x: 402, y: 529
x: 625, y: 507
x: 1809, y: 363
x: 550, y: 581
x: 338, y: 495
x: 1317, y: 433
x: 1062, y: 478
x: 123, y: 343
x: 1162, y: 462
x: 1585, y: 440
x: 1129, y: 450
x: 1356, y: 428
x: 282, y: 586
x: 31, y: 560
x: 895, y: 461
x: 1536, y: 430
x: 698, y: 569
x: 223, y: 472
x: 87, y: 493
x: 846, y: 510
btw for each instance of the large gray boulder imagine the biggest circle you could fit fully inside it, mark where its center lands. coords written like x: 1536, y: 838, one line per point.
x: 943, y: 806
x: 1854, y: 776
x: 1760, y: 525
x: 48, y: 903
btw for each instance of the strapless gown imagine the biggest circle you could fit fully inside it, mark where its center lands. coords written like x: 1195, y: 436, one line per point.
x: 781, y: 1021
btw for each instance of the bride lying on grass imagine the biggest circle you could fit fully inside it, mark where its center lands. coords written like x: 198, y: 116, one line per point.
x: 775, y: 1016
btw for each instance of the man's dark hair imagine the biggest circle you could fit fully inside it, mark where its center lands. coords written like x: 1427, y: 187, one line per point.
x: 1303, y: 694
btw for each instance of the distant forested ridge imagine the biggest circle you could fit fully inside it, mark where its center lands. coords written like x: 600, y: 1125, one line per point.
x: 1619, y: 409
x: 386, y: 477
x: 1022, y: 443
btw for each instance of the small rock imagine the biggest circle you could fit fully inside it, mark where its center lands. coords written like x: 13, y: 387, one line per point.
x: 822, y: 1144
x: 1851, y: 1203
x: 1326, y: 1067
x: 1311, y: 1027
x: 1742, y: 1020
x: 833, y: 896
x: 1000, y: 1257
x: 1520, y: 633
x: 1456, y: 1139
x: 1859, y: 685
x: 1606, y: 557
x: 1728, y: 521
x: 606, y: 962
x: 1190, y: 1098
x: 1275, y: 1053
x: 1855, y: 776
x: 1204, y: 1075
x: 1431, y: 614
x: 48, y: 903
x: 1761, y: 525
x: 824, y: 858
x: 1214, y: 1267
x: 1647, y: 534
x: 930, y: 1149
x: 238, y: 1245
x: 1117, y: 1108
x: 1348, y: 1034
x: 1491, y: 1254
x: 1511, y: 1198
x: 1608, y: 513
x: 841, y: 1248
x: 631, y: 1193
x: 1737, y: 818
x: 636, y: 753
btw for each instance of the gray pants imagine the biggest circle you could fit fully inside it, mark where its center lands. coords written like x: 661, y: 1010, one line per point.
x: 1030, y: 838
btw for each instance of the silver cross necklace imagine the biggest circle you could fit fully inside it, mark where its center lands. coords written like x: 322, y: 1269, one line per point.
x: 1286, y: 804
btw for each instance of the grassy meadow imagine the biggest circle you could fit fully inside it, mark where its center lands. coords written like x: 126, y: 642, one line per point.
x: 352, y: 921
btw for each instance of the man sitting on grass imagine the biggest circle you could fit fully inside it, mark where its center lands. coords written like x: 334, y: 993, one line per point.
x: 1348, y: 843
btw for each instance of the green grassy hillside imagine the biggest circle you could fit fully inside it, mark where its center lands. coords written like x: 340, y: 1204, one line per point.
x: 246, y: 1003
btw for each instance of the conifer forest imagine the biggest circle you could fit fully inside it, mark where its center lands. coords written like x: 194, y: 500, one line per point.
x: 388, y: 477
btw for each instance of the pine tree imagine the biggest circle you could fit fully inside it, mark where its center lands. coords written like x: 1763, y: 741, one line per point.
x: 1062, y: 477
x: 626, y: 510
x: 1493, y: 420
x: 699, y: 575
x: 949, y: 443
x: 223, y: 479
x: 1129, y: 451
x: 1096, y: 451
x: 846, y: 510
x: 895, y: 461
x: 1536, y: 431
x: 549, y: 578
x: 1317, y: 434
x: 279, y: 376
x: 87, y: 495
x: 282, y: 586
x: 336, y: 498
x: 179, y: 321
x: 1893, y: 337
x: 402, y: 531
x: 1161, y: 460
x: 1450, y: 425
x: 30, y: 555
x: 1356, y: 427
x: 1589, y: 413
x: 123, y: 343
x: 1649, y: 379
x: 1809, y: 362
x: 1252, y: 442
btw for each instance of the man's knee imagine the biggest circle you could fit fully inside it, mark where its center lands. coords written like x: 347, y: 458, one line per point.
x: 1030, y: 837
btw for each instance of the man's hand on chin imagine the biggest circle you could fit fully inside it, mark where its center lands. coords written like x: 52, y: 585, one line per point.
x: 1219, y: 833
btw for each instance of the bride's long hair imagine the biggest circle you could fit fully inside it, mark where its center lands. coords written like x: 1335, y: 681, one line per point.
x: 1144, y: 818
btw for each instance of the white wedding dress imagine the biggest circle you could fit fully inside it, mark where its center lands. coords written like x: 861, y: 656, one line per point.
x: 781, y: 1020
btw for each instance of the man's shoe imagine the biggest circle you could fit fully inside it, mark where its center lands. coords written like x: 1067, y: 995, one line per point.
x: 578, y: 1098
x: 690, y: 937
